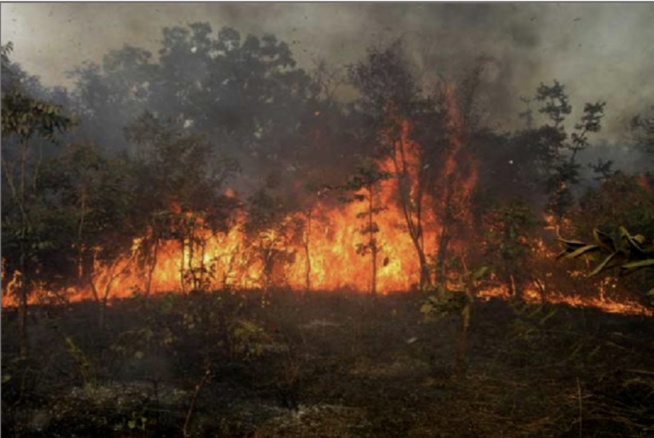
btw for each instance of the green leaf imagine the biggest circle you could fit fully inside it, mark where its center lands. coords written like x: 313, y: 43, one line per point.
x: 131, y: 424
x: 632, y: 241
x: 634, y: 266
x: 604, y: 240
x: 481, y: 273
x: 426, y: 308
x: 609, y: 262
x: 583, y: 250
x: 571, y: 243
x: 544, y: 319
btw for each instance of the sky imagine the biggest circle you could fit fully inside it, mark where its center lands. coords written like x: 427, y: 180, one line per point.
x: 600, y: 51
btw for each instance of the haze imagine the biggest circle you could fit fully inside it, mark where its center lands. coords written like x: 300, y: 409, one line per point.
x: 600, y: 51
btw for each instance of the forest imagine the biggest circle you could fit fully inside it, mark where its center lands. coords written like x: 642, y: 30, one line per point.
x: 212, y: 240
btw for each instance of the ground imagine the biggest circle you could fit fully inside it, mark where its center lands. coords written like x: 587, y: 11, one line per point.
x: 325, y: 365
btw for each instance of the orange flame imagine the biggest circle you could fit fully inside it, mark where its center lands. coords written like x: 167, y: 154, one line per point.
x: 325, y: 256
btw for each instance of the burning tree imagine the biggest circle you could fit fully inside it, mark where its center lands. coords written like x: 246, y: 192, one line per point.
x: 398, y: 115
x: 365, y: 185
x: 271, y: 230
x: 180, y: 178
x: 506, y: 243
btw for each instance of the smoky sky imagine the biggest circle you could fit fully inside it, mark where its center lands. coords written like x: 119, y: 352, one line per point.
x: 600, y: 51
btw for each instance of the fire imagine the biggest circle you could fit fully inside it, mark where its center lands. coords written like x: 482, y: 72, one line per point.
x: 323, y: 256
x: 533, y: 296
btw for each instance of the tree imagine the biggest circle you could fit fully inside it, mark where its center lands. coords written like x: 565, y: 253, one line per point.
x: 365, y: 187
x: 272, y: 228
x: 24, y: 118
x: 562, y: 168
x: 506, y: 244
x: 95, y: 194
x: 404, y: 126
x: 644, y: 127
x: 459, y: 298
x: 110, y: 96
x: 179, y: 192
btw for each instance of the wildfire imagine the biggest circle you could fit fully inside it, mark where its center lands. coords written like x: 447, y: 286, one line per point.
x: 324, y: 256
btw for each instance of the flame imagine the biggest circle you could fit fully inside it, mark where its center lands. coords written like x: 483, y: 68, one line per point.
x: 533, y: 296
x: 323, y: 256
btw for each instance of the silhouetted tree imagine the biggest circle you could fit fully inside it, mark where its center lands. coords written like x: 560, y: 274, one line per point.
x: 365, y: 185
x: 24, y: 119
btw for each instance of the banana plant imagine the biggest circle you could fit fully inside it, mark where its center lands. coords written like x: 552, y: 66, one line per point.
x: 629, y: 253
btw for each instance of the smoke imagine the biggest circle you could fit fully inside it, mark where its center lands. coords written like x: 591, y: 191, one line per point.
x: 599, y: 51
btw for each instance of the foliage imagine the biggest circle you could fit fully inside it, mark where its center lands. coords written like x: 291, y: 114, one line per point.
x: 271, y: 229
x: 621, y: 200
x: 563, y: 170
x: 644, y: 127
x: 506, y: 243
x: 443, y: 300
x: 406, y: 126
x: 243, y: 92
x: 629, y: 253
x: 364, y: 188
x: 24, y: 117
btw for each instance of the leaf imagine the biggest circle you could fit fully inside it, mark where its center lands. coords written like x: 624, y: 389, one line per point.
x: 481, y: 273
x: 583, y: 250
x: 634, y: 266
x: 631, y: 241
x: 571, y: 243
x: 604, y: 240
x: 131, y: 424
x: 544, y: 319
x: 426, y: 308
x: 609, y: 262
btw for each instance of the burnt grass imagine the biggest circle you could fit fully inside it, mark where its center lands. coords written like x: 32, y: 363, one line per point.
x: 324, y: 365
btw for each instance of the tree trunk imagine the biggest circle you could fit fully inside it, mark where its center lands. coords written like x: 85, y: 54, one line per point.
x: 374, y: 269
x: 307, y: 272
x: 462, y: 347
x: 181, y: 269
x: 413, y: 218
x: 22, y: 318
x: 443, y: 245
x: 425, y: 279
x: 101, y: 313
x: 373, y: 243
x: 24, y: 287
x: 152, y: 264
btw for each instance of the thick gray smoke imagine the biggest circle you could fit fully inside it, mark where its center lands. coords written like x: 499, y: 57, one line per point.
x: 599, y: 51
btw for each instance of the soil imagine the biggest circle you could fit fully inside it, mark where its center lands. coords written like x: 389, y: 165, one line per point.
x: 325, y: 365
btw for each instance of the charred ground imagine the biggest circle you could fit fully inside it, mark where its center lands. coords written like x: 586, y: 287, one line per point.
x: 337, y: 364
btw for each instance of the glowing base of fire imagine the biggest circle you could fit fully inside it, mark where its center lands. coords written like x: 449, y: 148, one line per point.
x: 533, y: 296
